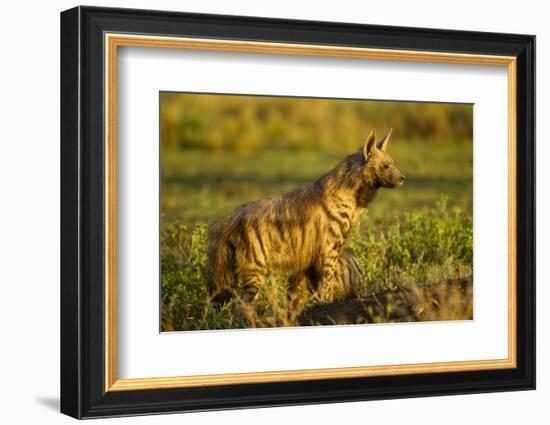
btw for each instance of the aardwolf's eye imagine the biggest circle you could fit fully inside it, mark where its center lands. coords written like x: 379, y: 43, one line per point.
x: 386, y: 165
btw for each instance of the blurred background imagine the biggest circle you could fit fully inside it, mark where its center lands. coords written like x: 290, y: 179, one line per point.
x: 220, y: 151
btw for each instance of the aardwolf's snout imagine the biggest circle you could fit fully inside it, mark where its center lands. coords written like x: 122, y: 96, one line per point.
x: 402, y: 179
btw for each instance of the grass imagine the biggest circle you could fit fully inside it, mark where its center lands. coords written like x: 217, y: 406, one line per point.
x: 417, y: 248
x: 415, y: 235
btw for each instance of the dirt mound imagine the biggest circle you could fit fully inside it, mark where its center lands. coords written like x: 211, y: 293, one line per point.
x: 446, y: 300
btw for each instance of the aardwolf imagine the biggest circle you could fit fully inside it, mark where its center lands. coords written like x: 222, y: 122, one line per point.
x: 300, y: 234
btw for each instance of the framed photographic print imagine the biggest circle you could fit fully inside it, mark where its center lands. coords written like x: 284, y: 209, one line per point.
x: 261, y: 212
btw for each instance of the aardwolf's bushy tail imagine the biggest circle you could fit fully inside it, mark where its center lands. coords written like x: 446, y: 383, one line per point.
x: 221, y: 277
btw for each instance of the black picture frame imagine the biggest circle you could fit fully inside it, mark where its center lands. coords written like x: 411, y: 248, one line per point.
x: 83, y: 392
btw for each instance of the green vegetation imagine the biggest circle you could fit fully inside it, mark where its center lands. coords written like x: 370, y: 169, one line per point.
x: 254, y: 123
x: 417, y: 248
x: 219, y: 152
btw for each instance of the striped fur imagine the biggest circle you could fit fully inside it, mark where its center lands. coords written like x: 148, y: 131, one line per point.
x: 347, y: 282
x: 348, y: 277
x: 300, y: 234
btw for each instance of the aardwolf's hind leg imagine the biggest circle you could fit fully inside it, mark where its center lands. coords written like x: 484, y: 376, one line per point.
x: 254, y: 280
x: 301, y: 286
x: 222, y: 296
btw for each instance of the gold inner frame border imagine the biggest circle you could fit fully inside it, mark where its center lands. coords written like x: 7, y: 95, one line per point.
x: 112, y: 41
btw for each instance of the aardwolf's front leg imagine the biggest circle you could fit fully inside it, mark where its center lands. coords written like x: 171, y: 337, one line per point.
x: 326, y: 283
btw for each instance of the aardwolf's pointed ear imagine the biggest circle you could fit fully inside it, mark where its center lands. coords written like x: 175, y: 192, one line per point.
x: 384, y: 142
x: 369, y: 144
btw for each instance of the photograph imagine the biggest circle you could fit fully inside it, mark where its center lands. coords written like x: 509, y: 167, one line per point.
x: 292, y: 211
